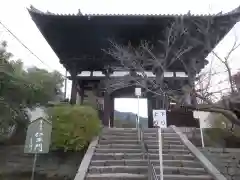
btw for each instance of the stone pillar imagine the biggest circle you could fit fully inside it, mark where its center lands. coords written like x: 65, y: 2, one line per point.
x: 74, y: 88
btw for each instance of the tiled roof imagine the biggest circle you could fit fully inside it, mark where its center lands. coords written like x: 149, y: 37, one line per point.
x: 235, y: 11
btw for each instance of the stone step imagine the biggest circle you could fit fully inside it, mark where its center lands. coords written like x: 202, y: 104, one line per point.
x: 127, y: 130
x: 165, y: 151
x: 165, y: 142
x: 170, y: 151
x: 134, y: 130
x: 186, y: 177
x: 114, y: 141
x: 148, y: 142
x: 163, y: 137
x: 128, y: 176
x: 156, y: 134
x: 119, y: 137
x: 144, y: 170
x: 168, y: 146
x: 152, y: 134
x: 125, y: 156
x: 100, y: 150
x: 116, y: 176
x: 138, y: 146
x: 168, y: 135
x: 135, y: 137
x: 119, y: 133
x: 122, y: 137
x: 141, y: 162
x: 155, y: 130
x: 179, y: 170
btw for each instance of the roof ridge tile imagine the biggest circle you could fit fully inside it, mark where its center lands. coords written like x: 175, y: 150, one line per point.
x: 235, y: 11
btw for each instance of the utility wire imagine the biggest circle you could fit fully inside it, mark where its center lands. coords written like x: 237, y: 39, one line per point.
x: 28, y: 48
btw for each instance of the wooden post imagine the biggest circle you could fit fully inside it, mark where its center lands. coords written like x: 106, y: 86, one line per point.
x: 159, y: 81
x: 111, y: 111
x: 150, y: 110
x: 74, y: 87
x: 82, y: 92
x: 191, y: 78
x: 106, y: 115
x: 107, y: 100
x: 107, y: 103
x: 65, y: 85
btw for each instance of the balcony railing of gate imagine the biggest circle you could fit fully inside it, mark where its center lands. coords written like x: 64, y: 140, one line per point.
x: 152, y: 175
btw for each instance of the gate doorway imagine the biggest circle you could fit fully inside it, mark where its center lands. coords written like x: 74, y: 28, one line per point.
x: 126, y: 110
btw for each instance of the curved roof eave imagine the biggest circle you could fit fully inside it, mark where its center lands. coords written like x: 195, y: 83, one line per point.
x: 236, y: 11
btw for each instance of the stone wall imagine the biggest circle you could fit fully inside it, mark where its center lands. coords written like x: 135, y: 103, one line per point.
x: 194, y: 135
x: 226, y: 160
x: 14, y: 164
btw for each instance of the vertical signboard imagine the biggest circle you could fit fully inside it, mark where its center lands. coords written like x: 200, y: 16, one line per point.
x: 160, y: 118
x: 138, y: 92
x: 160, y: 121
x: 38, y: 137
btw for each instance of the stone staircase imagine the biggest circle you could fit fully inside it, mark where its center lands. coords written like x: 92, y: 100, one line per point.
x: 178, y: 162
x: 119, y: 156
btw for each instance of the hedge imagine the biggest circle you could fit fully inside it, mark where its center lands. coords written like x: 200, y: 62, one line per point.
x: 73, y: 127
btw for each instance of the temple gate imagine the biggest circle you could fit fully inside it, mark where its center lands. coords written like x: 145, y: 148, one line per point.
x: 78, y: 40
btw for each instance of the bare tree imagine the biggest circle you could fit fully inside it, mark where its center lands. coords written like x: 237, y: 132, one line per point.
x: 181, y: 38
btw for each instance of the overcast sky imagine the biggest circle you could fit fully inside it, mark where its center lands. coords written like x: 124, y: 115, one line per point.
x: 14, y: 15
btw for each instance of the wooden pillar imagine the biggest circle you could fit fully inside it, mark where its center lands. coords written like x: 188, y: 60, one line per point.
x: 191, y: 79
x: 82, y: 92
x: 158, y: 102
x: 193, y: 96
x: 160, y: 83
x: 106, y: 112
x: 150, y: 109
x: 111, y: 111
x: 82, y: 95
x: 107, y: 100
x: 74, y: 88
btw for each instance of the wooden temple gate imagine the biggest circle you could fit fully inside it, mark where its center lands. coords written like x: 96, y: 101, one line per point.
x: 78, y: 40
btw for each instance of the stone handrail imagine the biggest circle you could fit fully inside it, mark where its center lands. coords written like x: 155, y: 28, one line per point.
x: 211, y: 169
x: 82, y: 171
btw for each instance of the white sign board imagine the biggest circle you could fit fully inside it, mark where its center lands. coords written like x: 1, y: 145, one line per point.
x: 160, y: 118
x: 138, y: 91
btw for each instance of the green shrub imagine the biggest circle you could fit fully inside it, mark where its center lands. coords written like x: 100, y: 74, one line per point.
x: 73, y: 127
